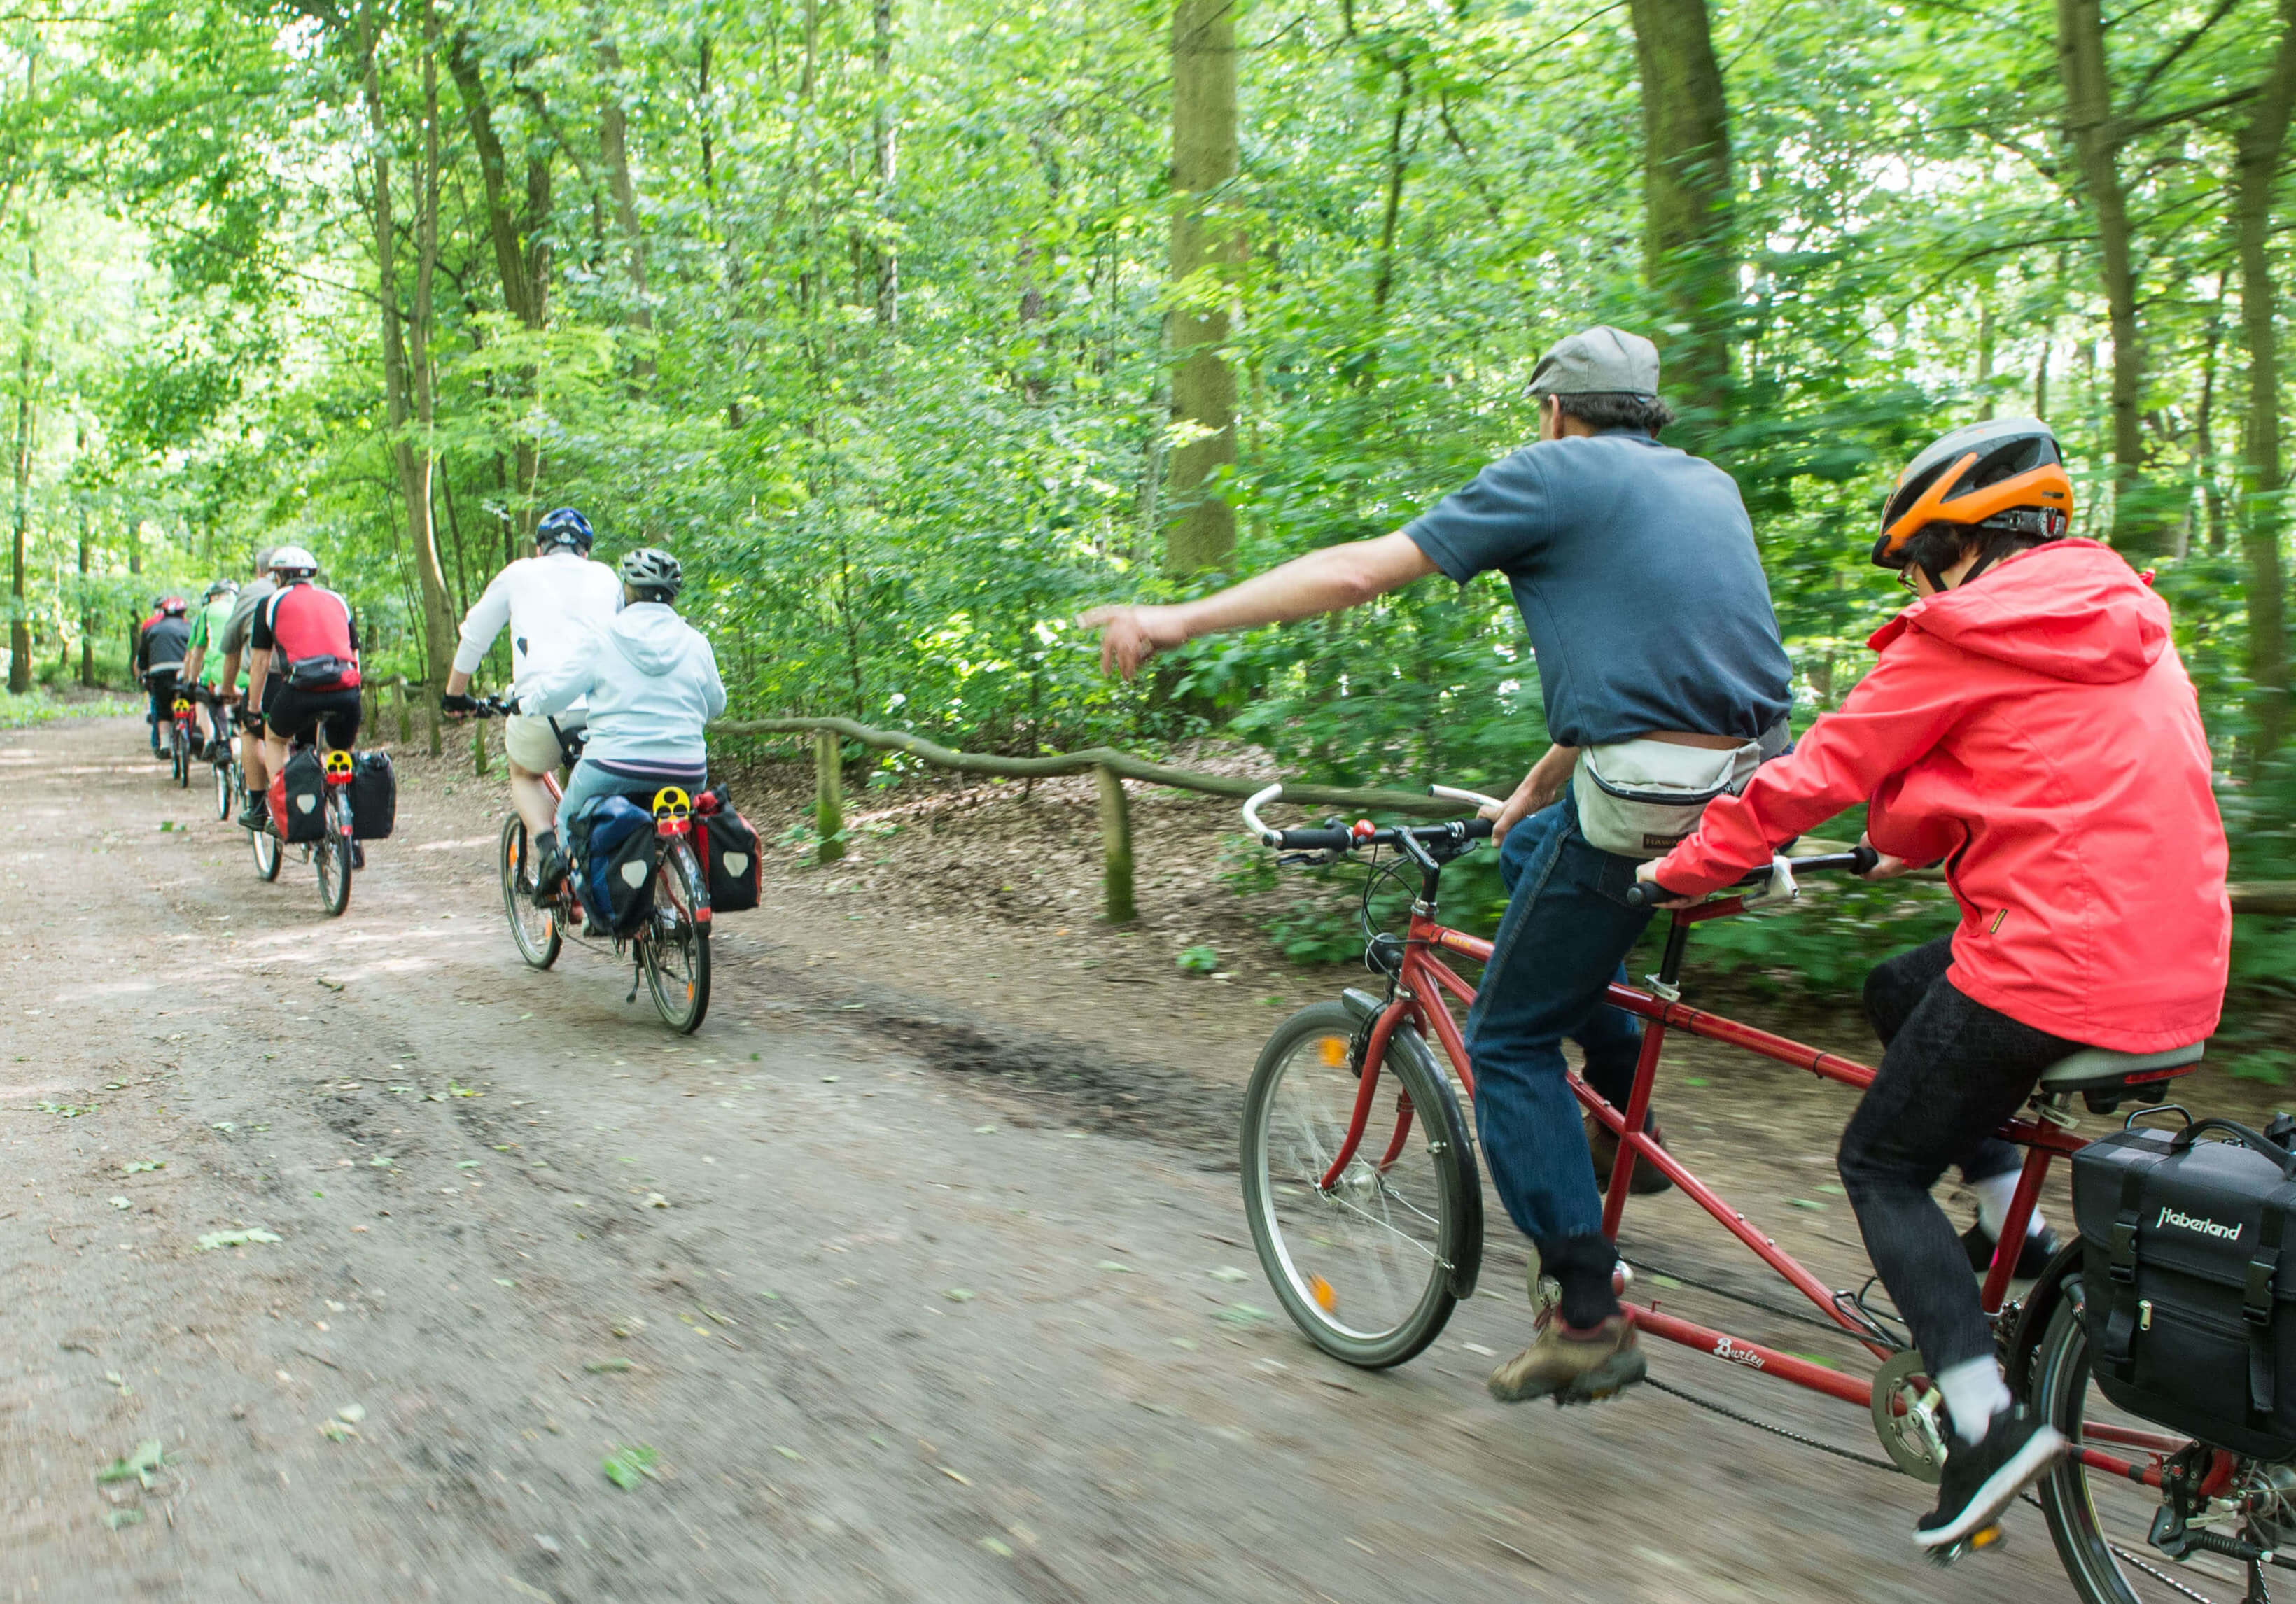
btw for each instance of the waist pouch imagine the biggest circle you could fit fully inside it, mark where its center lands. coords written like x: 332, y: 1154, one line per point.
x: 374, y: 796
x: 617, y: 853
x: 324, y: 673
x: 2191, y: 1297
x: 729, y: 852
x: 1639, y: 798
x: 299, y: 794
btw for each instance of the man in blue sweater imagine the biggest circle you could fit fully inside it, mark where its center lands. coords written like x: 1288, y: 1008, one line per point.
x: 1634, y: 569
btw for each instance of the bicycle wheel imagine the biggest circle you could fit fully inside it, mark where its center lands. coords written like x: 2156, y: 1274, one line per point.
x: 179, y: 757
x: 268, y: 850
x: 534, y: 929
x: 332, y: 856
x: 2101, y: 1520
x: 1371, y: 1266
x: 674, y: 947
x: 228, y: 787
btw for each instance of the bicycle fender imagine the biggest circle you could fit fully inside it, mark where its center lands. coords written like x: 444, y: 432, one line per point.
x: 1467, y: 1253
x: 2048, y: 1290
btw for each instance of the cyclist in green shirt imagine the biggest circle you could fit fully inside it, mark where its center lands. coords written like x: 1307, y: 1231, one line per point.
x: 204, y: 660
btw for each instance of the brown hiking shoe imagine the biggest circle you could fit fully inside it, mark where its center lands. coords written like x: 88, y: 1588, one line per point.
x: 1603, y: 1149
x: 1571, y: 1367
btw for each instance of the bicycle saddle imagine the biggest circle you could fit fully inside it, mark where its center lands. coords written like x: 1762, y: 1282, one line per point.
x: 2098, y: 1068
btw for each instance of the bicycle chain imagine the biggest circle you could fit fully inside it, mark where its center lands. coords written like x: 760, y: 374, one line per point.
x: 1727, y: 1413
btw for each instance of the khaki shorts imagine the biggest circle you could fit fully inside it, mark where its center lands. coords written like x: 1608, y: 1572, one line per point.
x: 533, y: 746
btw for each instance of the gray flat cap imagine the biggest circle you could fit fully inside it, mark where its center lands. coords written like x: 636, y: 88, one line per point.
x: 1597, y: 361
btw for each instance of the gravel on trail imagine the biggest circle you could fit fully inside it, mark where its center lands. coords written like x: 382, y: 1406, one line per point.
x: 354, y: 1260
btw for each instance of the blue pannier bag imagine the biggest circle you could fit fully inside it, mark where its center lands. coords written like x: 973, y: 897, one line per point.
x: 617, y: 852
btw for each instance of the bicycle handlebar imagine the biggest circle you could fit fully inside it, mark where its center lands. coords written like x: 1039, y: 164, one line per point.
x: 1858, y: 860
x: 1329, y: 840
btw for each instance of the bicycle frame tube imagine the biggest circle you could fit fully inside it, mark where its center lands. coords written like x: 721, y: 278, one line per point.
x: 1425, y: 986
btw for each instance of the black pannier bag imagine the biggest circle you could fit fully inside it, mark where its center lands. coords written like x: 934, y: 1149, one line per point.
x: 729, y: 853
x: 299, y: 796
x: 2189, y: 1272
x: 374, y: 796
x: 618, y: 852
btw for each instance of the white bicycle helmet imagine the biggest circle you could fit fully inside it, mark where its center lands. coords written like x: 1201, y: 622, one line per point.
x: 651, y: 570
x: 293, y: 562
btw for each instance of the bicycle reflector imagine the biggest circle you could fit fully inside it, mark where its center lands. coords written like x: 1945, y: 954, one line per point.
x: 338, y: 766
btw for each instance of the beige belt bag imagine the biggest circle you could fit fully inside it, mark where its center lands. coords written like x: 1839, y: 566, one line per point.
x: 1639, y: 798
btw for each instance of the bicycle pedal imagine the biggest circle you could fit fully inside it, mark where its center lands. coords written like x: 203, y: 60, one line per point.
x: 1985, y: 1539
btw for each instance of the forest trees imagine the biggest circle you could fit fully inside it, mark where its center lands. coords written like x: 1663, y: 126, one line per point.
x: 914, y: 331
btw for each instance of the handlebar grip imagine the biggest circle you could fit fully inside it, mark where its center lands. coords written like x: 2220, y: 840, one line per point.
x: 1480, y: 830
x: 1648, y: 894
x: 1862, y: 858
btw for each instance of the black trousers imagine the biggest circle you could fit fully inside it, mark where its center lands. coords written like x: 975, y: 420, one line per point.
x: 1952, y: 1072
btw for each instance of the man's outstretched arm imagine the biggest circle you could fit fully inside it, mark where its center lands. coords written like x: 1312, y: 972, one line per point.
x: 1327, y: 581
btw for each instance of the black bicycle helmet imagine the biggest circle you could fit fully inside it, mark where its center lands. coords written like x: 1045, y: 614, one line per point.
x: 653, y: 573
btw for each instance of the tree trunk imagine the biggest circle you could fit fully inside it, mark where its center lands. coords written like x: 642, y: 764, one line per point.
x: 2259, y: 161
x: 2137, y: 523
x: 614, y: 149
x: 1203, y: 535
x: 86, y: 612
x: 407, y: 390
x: 887, y: 251
x: 20, y: 624
x: 1687, y: 202
x: 2205, y: 442
x: 521, y: 254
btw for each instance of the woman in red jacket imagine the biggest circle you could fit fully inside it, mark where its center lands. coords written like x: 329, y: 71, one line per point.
x: 2028, y: 726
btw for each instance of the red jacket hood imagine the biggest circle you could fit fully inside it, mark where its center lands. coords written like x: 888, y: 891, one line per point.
x: 2072, y: 610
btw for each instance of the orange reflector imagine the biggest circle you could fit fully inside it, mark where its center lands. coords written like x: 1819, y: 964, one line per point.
x: 1986, y: 1538
x: 1334, y: 1050
x: 1325, y: 1298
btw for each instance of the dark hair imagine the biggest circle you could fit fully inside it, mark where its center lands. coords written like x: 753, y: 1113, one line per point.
x: 1618, y: 409
x: 1936, y: 547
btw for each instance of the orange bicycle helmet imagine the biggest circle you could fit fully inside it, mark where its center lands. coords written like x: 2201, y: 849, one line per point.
x: 2007, y: 475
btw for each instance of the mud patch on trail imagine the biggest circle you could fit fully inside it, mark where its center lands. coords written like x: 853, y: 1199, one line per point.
x: 1095, y: 1091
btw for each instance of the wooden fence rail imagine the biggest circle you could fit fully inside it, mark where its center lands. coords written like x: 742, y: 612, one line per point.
x: 1113, y: 767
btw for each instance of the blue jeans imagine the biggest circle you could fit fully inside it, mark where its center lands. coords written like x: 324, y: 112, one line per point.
x: 1564, y: 939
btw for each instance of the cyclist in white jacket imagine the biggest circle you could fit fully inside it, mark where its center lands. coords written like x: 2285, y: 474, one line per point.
x: 550, y: 601
x: 652, y: 685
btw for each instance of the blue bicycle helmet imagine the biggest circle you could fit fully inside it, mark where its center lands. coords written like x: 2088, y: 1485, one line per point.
x: 564, y: 526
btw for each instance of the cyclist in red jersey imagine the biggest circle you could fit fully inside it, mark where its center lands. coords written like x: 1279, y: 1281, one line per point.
x: 2029, y: 725
x: 304, y: 645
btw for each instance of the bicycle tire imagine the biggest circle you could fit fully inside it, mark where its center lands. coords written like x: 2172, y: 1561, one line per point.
x: 1449, y: 1184
x: 2092, y: 1554
x: 332, y: 855
x: 683, y: 1001
x: 518, y: 903
x: 227, y: 788
x: 179, y: 754
x: 269, y: 852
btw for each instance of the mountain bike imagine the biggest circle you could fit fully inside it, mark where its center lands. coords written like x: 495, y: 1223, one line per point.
x: 223, y: 754
x: 179, y: 739
x: 335, y: 854
x: 1366, y: 1205
x: 668, y: 949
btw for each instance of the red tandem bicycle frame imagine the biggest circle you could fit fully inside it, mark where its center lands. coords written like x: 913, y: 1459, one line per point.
x: 1423, y: 977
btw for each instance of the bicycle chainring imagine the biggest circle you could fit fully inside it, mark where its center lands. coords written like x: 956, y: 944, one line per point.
x: 1909, y: 1417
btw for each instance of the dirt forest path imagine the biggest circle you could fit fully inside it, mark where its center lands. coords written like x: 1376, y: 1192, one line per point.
x: 893, y: 1329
